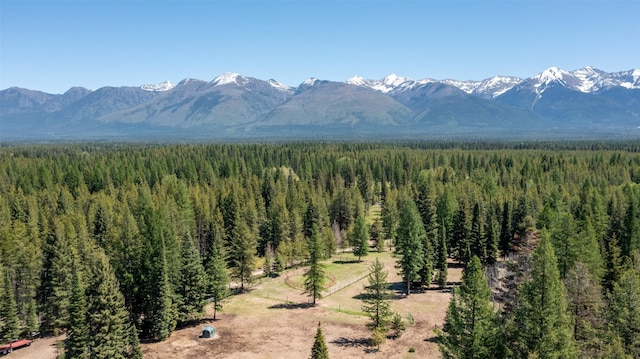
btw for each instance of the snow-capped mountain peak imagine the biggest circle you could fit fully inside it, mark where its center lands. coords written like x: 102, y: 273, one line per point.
x: 310, y: 81
x: 278, y: 85
x: 228, y: 78
x: 394, y: 80
x: 497, y: 85
x: 550, y: 75
x: 163, y: 86
x: 357, y: 81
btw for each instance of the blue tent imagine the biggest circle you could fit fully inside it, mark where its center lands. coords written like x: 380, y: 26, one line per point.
x: 208, y: 332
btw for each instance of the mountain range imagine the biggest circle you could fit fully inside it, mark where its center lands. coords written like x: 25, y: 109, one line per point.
x: 554, y: 103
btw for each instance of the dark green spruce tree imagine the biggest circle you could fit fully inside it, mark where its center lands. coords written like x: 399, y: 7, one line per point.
x: 441, y: 259
x: 468, y: 328
x: 107, y: 319
x: 242, y: 253
x: 376, y: 297
x: 9, y: 324
x: 315, y: 277
x: 542, y: 316
x: 192, y: 283
x: 77, y: 345
x: 624, y: 311
x: 319, y: 349
x: 409, y: 241
x: 160, y: 318
x: 359, y: 236
x: 217, y: 276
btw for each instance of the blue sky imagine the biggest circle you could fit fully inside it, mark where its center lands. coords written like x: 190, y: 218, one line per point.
x: 53, y: 45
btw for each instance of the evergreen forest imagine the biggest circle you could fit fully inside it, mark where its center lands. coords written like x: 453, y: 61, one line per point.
x: 113, y: 244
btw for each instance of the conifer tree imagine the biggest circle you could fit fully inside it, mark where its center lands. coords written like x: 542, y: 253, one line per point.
x: 360, y: 236
x: 397, y: 325
x: 624, y: 311
x: 192, y: 283
x: 376, y: 297
x: 409, y: 241
x: 630, y: 234
x: 132, y: 350
x: 614, y: 263
x: 108, y: 320
x: 468, y: 329
x: 426, y: 272
x: 584, y: 302
x: 546, y: 327
x: 378, y: 337
x: 160, y: 316
x: 460, y: 239
x: 445, y: 212
x: 476, y: 235
x: 506, y: 234
x: 441, y: 260
x: 242, y: 253
x: 389, y: 215
x: 77, y: 345
x: 218, y: 279
x: 9, y: 324
x: 377, y: 235
x: 490, y: 240
x: 56, y: 277
x: 426, y: 203
x: 319, y: 349
x: 314, y: 277
x: 311, y: 218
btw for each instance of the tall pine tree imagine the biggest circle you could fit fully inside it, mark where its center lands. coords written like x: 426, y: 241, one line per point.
x: 192, y: 283
x: 77, y: 345
x: 468, y: 328
x: 624, y: 311
x: 376, y: 297
x: 409, y: 241
x: 108, y: 319
x: 359, y: 236
x: 217, y: 276
x: 314, y: 277
x: 542, y: 318
x: 9, y: 324
x: 441, y: 259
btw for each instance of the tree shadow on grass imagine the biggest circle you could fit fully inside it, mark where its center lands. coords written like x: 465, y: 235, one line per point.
x: 346, y: 261
x: 292, y: 306
x: 352, y: 342
x: 433, y: 339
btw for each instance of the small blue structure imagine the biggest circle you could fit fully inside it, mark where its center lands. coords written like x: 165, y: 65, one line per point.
x: 208, y: 332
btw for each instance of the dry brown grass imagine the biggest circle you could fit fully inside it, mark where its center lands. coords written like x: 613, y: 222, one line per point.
x: 273, y: 320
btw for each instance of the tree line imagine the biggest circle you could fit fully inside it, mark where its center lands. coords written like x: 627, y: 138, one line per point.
x: 113, y: 243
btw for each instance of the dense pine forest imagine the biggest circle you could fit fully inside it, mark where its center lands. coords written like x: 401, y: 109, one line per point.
x: 113, y: 244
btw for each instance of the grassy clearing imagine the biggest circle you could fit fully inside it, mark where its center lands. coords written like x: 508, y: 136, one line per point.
x: 375, y: 211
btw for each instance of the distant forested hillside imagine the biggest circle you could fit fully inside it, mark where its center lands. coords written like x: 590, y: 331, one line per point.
x: 134, y: 238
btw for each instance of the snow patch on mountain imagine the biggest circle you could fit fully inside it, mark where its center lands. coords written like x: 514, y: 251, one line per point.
x: 310, y: 81
x: 163, y: 86
x: 388, y: 84
x: 552, y: 75
x: 631, y: 79
x: 278, y: 85
x: 466, y: 86
x: 228, y: 78
x: 358, y: 81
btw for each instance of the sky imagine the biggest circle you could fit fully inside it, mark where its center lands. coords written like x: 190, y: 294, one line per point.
x: 53, y: 45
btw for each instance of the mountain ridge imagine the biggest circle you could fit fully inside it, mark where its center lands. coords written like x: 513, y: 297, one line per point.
x: 579, y: 102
